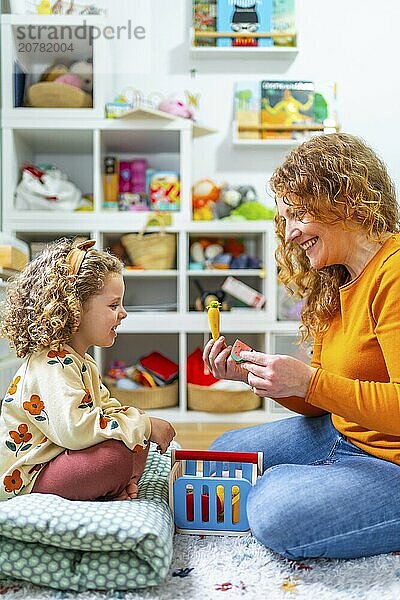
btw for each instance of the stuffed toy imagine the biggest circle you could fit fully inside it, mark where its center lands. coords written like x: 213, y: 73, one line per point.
x: 176, y: 108
x: 63, y: 87
x: 229, y: 198
x: 84, y: 70
x: 204, y: 194
x: 79, y: 74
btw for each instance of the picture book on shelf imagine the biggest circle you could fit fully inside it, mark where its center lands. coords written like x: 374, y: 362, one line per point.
x: 286, y: 103
x: 283, y: 21
x: 325, y: 111
x: 247, y: 109
x: 204, y: 19
x: 244, y: 16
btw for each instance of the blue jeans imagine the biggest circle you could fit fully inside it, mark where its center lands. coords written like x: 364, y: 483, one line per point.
x: 319, y: 495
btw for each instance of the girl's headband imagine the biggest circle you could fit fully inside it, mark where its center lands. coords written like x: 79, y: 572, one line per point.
x: 76, y: 256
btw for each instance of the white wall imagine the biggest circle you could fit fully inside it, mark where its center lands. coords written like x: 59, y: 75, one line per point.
x: 352, y: 42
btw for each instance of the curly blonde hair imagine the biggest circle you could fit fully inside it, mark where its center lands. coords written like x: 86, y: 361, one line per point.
x: 334, y: 178
x: 43, y: 304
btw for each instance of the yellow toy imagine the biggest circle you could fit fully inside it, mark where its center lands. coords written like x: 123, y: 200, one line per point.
x: 235, y: 503
x: 214, y: 318
x: 44, y: 8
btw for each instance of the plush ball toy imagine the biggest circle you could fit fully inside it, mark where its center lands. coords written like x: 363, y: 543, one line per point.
x: 84, y: 70
x: 70, y: 79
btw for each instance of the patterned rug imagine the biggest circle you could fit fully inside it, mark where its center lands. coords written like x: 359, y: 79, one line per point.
x: 228, y: 568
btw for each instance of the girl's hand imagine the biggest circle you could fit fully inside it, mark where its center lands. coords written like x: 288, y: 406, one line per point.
x: 276, y: 375
x: 162, y: 433
x: 216, y: 356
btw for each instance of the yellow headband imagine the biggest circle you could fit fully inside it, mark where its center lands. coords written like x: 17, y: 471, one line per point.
x: 76, y: 256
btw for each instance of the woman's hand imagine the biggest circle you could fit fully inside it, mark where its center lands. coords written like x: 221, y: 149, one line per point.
x: 217, y: 357
x: 276, y: 375
x: 162, y: 433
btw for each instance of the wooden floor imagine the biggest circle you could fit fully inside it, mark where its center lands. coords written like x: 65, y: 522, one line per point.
x: 199, y: 436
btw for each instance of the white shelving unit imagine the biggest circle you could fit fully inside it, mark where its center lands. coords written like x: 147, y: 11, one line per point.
x: 77, y: 140
x: 36, y: 42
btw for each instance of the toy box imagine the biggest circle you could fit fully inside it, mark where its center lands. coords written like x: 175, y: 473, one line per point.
x: 208, y: 490
x: 243, y: 292
x: 164, y: 190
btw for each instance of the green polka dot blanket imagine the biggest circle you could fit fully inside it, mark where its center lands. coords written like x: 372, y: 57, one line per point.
x: 71, y: 545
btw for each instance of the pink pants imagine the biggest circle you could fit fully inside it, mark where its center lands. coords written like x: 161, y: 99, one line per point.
x: 101, y: 471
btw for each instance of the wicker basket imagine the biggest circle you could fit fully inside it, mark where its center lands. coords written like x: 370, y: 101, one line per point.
x: 151, y: 250
x: 51, y: 94
x: 205, y: 399
x: 159, y: 397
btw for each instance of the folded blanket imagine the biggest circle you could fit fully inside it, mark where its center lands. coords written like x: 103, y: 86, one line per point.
x: 73, y: 545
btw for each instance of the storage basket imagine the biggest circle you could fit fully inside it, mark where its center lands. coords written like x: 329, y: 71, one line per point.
x: 159, y: 397
x: 51, y: 94
x: 206, y: 399
x: 151, y: 250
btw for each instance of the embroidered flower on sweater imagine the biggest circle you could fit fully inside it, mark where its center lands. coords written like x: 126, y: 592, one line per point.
x: 35, y: 407
x: 13, y: 482
x: 86, y: 401
x: 104, y: 421
x: 20, y: 439
x: 62, y: 354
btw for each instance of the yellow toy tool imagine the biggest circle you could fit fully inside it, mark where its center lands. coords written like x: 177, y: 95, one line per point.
x: 213, y: 318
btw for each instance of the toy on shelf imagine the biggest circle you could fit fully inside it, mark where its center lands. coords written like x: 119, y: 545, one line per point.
x: 110, y: 182
x: 229, y: 202
x: 45, y: 187
x: 215, y: 254
x: 63, y: 87
x: 133, y: 98
x: 176, y: 108
x: 208, y: 490
x: 206, y: 297
x: 205, y: 193
x: 243, y: 292
x: 44, y: 7
x: 164, y: 190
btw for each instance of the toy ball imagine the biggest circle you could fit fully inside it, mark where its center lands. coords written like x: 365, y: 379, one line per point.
x: 177, y: 108
x: 70, y: 79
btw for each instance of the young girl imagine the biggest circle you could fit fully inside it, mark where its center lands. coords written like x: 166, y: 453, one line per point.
x: 60, y: 431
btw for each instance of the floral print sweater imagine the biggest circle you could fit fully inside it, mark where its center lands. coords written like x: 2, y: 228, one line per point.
x: 57, y: 402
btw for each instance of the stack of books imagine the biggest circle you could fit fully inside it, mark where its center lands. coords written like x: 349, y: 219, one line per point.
x: 244, y: 23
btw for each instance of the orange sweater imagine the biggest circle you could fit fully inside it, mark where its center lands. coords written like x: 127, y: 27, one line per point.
x: 358, y: 359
